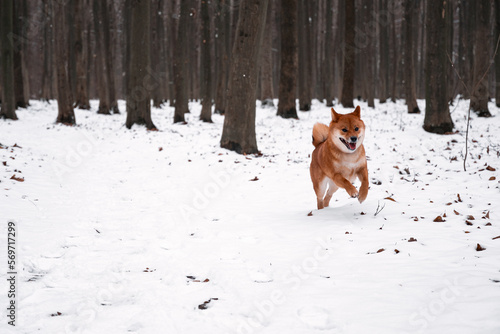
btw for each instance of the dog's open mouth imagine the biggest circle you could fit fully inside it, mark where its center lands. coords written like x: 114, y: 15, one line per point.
x: 350, y: 146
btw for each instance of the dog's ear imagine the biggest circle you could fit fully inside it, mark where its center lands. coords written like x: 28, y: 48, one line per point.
x: 357, y: 112
x: 335, y: 116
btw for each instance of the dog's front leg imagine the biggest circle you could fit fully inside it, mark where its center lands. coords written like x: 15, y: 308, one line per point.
x: 342, y: 182
x: 363, y: 190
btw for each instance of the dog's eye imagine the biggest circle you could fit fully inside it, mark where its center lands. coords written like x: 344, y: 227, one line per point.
x: 356, y: 129
x: 344, y: 130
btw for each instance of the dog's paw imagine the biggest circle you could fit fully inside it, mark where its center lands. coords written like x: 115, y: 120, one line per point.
x: 361, y: 198
x: 353, y: 193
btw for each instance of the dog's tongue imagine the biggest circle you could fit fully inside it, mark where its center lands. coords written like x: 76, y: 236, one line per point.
x: 352, y: 146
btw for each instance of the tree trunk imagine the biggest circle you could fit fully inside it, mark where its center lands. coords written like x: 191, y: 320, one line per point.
x: 349, y: 55
x: 19, y: 55
x: 8, y: 108
x: 104, y: 64
x: 369, y: 55
x: 384, y: 51
x: 437, y: 113
x: 479, y: 98
x: 305, y: 44
x: 289, y: 60
x: 180, y: 65
x: 66, y: 115
x: 238, y: 133
x: 81, y: 46
x: 206, y: 65
x: 222, y: 24
x: 266, y: 68
x: 329, y: 55
x: 139, y: 92
x: 409, y: 64
x: 497, y: 55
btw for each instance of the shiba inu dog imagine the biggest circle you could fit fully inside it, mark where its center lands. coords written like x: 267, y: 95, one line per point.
x: 339, y: 157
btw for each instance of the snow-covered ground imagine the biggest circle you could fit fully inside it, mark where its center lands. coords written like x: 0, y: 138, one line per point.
x: 130, y: 231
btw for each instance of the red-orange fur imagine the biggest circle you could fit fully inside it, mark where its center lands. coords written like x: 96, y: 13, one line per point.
x: 333, y: 166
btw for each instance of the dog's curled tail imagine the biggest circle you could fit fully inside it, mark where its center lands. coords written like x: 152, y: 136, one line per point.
x: 320, y: 133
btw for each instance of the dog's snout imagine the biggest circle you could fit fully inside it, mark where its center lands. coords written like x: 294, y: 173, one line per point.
x: 354, y: 139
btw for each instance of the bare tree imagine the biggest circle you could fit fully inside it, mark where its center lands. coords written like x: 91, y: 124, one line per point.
x: 21, y: 84
x: 497, y: 55
x: 180, y: 64
x: 206, y: 66
x: 104, y: 64
x: 289, y: 60
x: 138, y: 92
x: 66, y: 114
x: 238, y: 133
x: 437, y: 113
x: 349, y: 55
x: 81, y: 54
x: 409, y: 65
x: 479, y: 98
x: 266, y: 68
x: 305, y: 45
x: 8, y: 109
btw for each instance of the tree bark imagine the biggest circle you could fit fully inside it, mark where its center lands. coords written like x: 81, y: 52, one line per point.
x: 497, y: 55
x: 238, y: 133
x: 384, y: 52
x: 180, y: 65
x: 17, y: 39
x: 222, y: 24
x: 66, y: 114
x: 81, y: 46
x: 329, y: 55
x: 289, y: 60
x: 8, y: 108
x: 409, y: 64
x: 349, y: 55
x: 305, y: 44
x: 266, y: 68
x: 139, y: 86
x: 104, y: 65
x: 479, y: 98
x: 369, y: 55
x: 206, y: 65
x: 437, y: 114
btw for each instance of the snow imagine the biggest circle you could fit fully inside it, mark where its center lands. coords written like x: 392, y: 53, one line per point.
x: 111, y: 222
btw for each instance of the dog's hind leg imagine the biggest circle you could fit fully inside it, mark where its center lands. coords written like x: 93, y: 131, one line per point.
x: 332, y: 187
x: 320, y: 189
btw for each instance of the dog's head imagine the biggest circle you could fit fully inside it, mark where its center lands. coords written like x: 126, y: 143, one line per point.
x: 347, y: 131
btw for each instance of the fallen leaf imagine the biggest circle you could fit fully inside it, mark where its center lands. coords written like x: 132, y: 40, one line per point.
x: 492, y: 178
x: 160, y: 149
x: 487, y: 215
x: 390, y: 199
x: 4, y: 163
x: 470, y: 217
x: 412, y: 239
x: 459, y: 199
x: 480, y: 248
x: 438, y: 219
x: 18, y: 179
x: 380, y: 250
x: 468, y: 223
x: 15, y: 145
x: 310, y: 214
x: 456, y: 212
x: 56, y: 314
x: 497, y: 237
x: 396, y: 251
x: 255, y: 179
x: 491, y: 169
